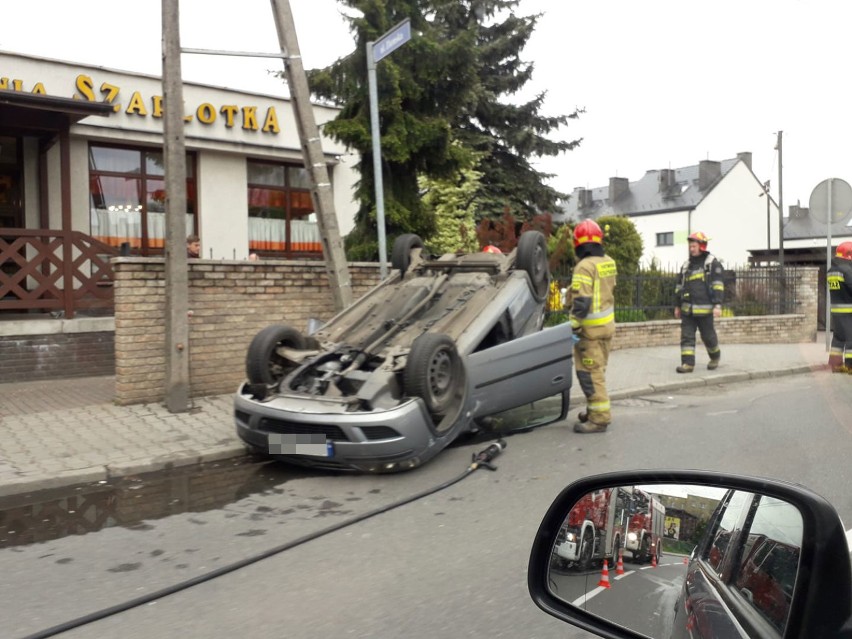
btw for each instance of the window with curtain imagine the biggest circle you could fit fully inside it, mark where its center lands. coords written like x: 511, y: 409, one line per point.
x: 127, y: 197
x: 281, y: 221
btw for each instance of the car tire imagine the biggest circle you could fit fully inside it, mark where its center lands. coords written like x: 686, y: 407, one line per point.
x: 532, y: 258
x: 435, y: 373
x: 587, y: 546
x: 401, y: 253
x: 263, y: 364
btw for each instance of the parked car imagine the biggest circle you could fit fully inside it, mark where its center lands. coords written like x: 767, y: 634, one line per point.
x: 773, y: 562
x: 425, y: 356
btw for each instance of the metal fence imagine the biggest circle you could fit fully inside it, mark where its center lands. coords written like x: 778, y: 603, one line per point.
x: 650, y: 293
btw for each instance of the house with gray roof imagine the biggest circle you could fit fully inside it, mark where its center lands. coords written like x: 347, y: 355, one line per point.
x: 724, y: 199
x: 805, y: 236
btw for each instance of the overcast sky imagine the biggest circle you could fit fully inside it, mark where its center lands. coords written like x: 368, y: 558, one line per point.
x: 665, y: 83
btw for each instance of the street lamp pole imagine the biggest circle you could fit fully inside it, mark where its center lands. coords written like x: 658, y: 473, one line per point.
x: 768, y: 216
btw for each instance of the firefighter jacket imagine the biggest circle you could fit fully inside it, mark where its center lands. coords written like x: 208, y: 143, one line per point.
x: 700, y: 286
x: 839, y: 278
x: 592, y: 314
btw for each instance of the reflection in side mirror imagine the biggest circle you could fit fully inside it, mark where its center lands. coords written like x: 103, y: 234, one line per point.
x: 665, y: 560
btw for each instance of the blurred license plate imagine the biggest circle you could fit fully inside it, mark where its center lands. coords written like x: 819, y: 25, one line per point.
x: 316, y: 445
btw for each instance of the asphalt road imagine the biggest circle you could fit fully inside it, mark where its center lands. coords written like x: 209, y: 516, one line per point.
x: 452, y: 564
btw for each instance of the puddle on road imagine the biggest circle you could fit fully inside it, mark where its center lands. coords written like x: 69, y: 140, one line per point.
x: 76, y: 510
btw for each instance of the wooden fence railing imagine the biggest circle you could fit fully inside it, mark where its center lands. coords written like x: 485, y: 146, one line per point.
x: 51, y: 270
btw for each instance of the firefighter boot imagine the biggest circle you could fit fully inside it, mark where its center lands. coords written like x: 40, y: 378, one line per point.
x: 583, y: 416
x: 685, y: 368
x: 589, y: 427
x: 835, y: 363
x: 713, y: 364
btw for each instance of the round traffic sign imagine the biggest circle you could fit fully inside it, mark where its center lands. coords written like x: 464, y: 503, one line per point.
x: 841, y: 201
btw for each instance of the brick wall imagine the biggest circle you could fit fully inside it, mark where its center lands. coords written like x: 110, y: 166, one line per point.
x: 229, y: 303
x: 64, y: 349
x: 763, y: 329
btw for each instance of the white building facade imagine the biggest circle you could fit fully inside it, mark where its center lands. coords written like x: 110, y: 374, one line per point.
x: 247, y: 188
x: 723, y: 199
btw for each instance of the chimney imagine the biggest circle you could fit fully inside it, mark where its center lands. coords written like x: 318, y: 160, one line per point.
x: 666, y: 180
x: 708, y: 172
x: 584, y: 198
x: 617, y: 187
x: 798, y: 212
x: 745, y: 156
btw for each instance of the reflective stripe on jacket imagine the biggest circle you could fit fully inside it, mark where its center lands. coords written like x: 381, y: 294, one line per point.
x: 839, y: 279
x: 593, y: 298
x: 701, y: 286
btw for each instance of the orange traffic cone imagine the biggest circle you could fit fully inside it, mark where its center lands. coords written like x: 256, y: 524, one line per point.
x: 654, y: 560
x: 604, y: 582
x: 619, y: 567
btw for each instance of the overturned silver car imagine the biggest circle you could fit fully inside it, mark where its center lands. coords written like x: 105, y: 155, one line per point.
x: 440, y: 348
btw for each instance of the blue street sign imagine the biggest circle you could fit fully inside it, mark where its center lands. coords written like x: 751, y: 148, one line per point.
x: 392, y: 40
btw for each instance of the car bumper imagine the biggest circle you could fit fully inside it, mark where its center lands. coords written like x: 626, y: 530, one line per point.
x: 377, y: 441
x: 567, y: 550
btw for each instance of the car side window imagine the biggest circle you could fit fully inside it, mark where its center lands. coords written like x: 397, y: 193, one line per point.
x: 770, y: 560
x: 723, y: 529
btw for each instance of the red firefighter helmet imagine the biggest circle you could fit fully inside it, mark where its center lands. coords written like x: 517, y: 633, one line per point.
x: 701, y: 238
x: 844, y: 251
x: 587, y: 231
x: 491, y: 249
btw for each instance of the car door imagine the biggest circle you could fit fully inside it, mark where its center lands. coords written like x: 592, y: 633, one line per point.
x: 702, y: 612
x: 520, y: 371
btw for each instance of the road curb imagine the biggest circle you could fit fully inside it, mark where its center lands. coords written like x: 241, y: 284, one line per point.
x: 63, y: 479
x: 94, y: 474
x: 181, y: 459
x: 578, y: 400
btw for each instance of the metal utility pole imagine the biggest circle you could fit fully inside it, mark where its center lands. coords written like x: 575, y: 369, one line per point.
x: 378, y: 179
x: 830, y: 219
x: 781, y: 224
x: 384, y: 46
x: 174, y: 151
x: 332, y: 245
x: 780, y: 202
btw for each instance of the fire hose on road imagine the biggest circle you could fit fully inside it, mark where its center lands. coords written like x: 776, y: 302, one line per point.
x: 482, y: 459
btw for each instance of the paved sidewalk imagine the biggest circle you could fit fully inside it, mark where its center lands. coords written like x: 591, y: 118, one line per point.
x: 63, y: 432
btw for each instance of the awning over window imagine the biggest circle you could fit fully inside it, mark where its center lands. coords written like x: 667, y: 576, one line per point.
x: 34, y: 114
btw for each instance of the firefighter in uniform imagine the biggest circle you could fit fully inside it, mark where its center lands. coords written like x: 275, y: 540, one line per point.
x: 699, y: 294
x: 592, y: 316
x: 839, y: 278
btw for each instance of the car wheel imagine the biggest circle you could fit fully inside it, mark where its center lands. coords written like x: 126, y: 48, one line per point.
x: 435, y: 373
x: 401, y: 253
x: 586, y: 549
x: 532, y: 258
x: 263, y: 363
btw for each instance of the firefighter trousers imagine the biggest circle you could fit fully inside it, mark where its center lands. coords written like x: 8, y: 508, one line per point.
x: 590, y: 360
x: 704, y: 324
x: 840, y: 353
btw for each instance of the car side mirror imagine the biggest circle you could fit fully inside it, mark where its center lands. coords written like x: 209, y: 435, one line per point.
x: 671, y: 554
